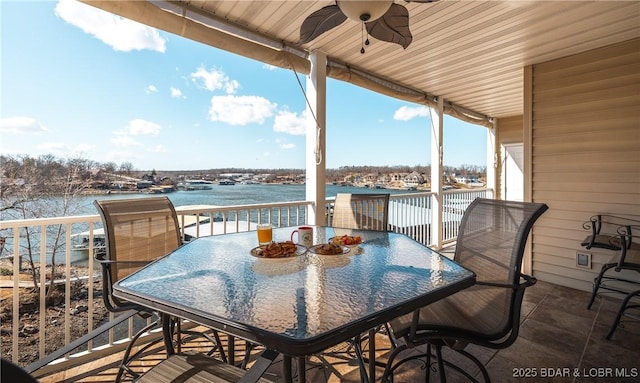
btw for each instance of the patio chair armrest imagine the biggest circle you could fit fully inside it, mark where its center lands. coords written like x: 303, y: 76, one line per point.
x: 108, y: 262
x: 528, y: 281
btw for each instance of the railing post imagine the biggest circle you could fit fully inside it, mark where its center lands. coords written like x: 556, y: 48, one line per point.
x: 436, y: 173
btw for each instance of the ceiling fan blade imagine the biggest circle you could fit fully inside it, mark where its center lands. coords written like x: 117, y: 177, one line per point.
x: 393, y: 26
x: 420, y: 1
x: 319, y: 22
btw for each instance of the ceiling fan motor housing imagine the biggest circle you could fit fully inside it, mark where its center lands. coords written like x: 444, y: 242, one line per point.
x: 364, y: 11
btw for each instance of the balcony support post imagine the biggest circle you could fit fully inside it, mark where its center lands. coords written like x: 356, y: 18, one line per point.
x: 316, y: 138
x: 437, y: 121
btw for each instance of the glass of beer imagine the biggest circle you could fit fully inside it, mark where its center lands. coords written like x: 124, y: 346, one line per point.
x: 265, y: 234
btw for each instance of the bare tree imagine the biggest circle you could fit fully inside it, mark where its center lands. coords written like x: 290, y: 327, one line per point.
x: 126, y: 168
x: 48, y: 187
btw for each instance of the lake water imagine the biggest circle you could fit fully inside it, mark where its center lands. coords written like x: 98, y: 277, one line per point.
x: 220, y: 195
x: 238, y: 194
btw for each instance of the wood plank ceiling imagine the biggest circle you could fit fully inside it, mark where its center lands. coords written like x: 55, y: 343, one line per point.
x: 472, y: 53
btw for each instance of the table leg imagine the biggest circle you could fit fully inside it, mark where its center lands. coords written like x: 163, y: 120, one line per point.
x: 302, y: 370
x: 167, y: 334
x: 372, y: 355
x: 231, y: 347
x: 286, y: 369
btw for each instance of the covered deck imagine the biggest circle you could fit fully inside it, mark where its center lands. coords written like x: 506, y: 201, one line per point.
x: 559, y: 339
x: 559, y: 79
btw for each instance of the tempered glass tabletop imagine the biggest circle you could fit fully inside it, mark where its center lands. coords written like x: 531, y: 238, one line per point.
x: 300, y: 300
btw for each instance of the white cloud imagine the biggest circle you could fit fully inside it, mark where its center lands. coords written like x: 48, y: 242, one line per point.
x: 151, y: 89
x: 406, y: 113
x: 53, y: 147
x: 121, y: 156
x: 290, y: 123
x: 269, y: 67
x: 159, y: 149
x: 266, y: 154
x: 20, y: 125
x: 214, y: 79
x: 177, y: 93
x: 240, y: 110
x: 287, y: 146
x: 119, y: 33
x: 85, y: 148
x: 125, y: 141
x: 64, y: 150
x: 138, y: 127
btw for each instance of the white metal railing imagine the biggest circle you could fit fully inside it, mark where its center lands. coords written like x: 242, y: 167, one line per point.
x: 409, y: 214
x: 412, y: 213
x: 39, y: 246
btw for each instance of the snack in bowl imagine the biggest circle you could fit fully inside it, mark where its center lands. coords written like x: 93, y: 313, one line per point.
x: 347, y: 240
x: 328, y: 249
x: 276, y: 250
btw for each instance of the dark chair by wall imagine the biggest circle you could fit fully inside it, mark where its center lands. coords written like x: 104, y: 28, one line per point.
x: 604, y: 230
x: 626, y: 256
x: 137, y: 231
x: 491, y: 242
x: 361, y: 211
x: 620, y: 275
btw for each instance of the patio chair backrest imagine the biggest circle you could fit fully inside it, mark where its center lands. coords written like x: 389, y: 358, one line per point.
x: 361, y: 211
x: 137, y: 231
x: 491, y: 242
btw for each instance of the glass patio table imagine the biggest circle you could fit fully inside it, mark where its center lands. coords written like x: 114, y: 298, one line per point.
x: 300, y: 305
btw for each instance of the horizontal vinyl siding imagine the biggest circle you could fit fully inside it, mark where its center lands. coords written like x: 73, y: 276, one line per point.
x: 510, y: 130
x: 585, y: 153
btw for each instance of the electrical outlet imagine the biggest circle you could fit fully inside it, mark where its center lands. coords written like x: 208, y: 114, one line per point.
x: 583, y: 260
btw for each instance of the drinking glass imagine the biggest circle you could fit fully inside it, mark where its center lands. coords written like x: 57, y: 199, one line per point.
x: 265, y: 234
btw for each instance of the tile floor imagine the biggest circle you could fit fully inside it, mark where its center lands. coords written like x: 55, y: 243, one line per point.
x: 560, y: 341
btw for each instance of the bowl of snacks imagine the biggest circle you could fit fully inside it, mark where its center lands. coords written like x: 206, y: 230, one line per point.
x: 285, y: 249
x: 329, y: 249
x: 346, y: 240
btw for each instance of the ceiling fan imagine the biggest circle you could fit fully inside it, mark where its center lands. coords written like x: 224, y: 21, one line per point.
x: 383, y: 19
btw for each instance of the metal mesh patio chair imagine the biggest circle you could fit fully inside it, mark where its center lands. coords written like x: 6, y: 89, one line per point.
x: 199, y: 368
x: 617, y: 275
x: 491, y: 242
x: 10, y: 372
x: 183, y: 367
x: 366, y: 211
x: 605, y: 229
x: 361, y: 211
x: 626, y: 256
x: 137, y: 231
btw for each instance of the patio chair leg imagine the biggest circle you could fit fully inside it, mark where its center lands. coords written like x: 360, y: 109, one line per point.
x: 483, y: 370
x: 623, y: 307
x: 364, y: 378
x: 127, y: 357
x: 248, y: 347
x: 427, y: 372
x: 596, y: 284
x: 443, y: 376
x: 218, y: 342
x: 390, y: 367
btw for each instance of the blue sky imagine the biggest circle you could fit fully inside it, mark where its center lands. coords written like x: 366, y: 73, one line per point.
x: 79, y: 82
